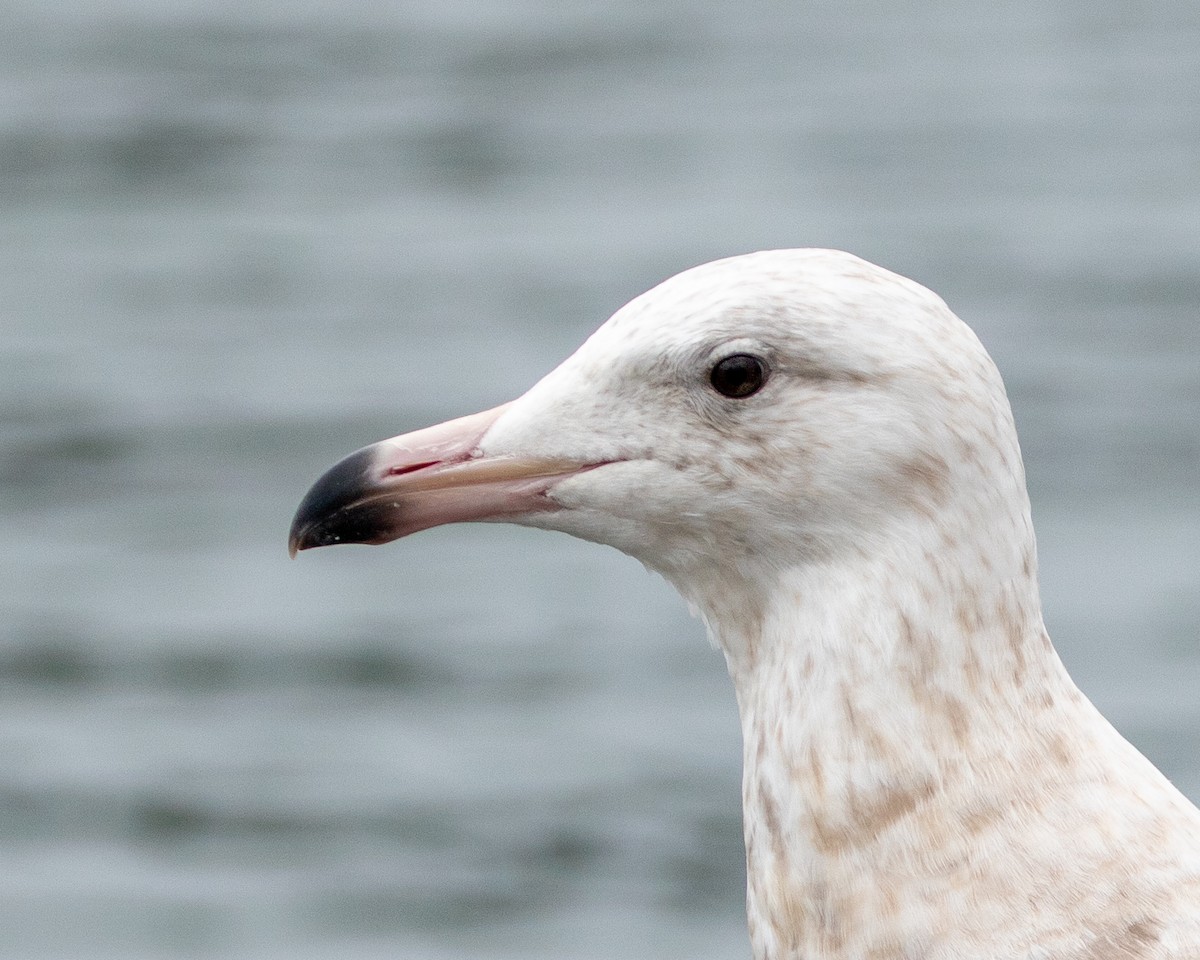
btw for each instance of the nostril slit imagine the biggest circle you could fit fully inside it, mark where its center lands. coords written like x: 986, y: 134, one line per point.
x: 411, y: 468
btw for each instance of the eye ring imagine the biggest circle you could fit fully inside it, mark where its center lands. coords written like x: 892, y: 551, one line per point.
x: 739, y: 375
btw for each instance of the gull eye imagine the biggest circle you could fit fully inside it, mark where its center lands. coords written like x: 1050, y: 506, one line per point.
x: 738, y: 376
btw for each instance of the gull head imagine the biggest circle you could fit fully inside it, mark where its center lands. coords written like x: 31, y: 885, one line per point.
x: 746, y: 417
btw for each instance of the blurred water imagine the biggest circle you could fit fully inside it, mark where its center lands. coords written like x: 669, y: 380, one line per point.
x: 244, y: 238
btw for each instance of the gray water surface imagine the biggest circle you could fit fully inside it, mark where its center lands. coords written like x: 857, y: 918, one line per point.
x: 243, y: 239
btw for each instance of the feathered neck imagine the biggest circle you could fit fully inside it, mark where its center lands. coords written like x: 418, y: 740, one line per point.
x: 913, y: 748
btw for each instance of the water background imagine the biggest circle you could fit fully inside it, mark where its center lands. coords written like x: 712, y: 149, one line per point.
x: 242, y: 239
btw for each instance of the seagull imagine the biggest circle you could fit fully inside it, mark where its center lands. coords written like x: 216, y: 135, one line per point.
x: 821, y: 458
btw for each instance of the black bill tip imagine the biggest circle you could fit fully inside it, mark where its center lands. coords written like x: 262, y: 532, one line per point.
x: 336, y: 508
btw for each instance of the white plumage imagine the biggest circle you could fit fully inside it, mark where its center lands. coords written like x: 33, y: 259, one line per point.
x: 921, y: 777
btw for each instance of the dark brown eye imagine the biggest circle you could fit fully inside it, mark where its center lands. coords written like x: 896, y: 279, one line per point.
x: 738, y: 376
